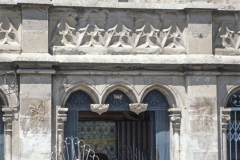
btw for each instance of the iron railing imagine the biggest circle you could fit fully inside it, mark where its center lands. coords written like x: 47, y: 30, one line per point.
x: 74, y: 149
x: 234, y: 137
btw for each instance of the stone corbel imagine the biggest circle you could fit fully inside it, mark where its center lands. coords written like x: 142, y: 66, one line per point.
x: 61, y: 118
x: 99, y: 108
x: 225, y: 118
x: 7, y: 118
x: 138, y: 107
x: 175, y: 117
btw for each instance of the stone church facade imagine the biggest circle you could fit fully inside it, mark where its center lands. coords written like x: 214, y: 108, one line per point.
x: 74, y: 68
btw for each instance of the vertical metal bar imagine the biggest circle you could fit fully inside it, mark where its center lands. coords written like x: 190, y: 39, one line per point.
x: 235, y: 128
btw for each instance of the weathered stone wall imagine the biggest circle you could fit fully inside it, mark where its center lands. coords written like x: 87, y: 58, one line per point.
x: 188, y: 49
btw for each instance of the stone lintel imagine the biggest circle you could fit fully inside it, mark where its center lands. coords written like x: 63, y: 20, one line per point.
x: 36, y: 71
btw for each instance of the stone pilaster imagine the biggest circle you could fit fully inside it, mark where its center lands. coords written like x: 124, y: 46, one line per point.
x: 225, y: 119
x: 35, y: 113
x: 175, y: 118
x: 7, y: 119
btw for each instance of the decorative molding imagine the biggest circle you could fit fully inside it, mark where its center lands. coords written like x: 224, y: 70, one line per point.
x: 225, y: 118
x: 175, y: 117
x: 99, y: 108
x: 116, y: 31
x: 8, y: 118
x: 61, y: 118
x: 138, y: 107
x: 37, y: 111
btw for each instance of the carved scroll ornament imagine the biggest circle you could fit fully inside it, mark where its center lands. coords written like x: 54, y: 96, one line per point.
x: 37, y: 111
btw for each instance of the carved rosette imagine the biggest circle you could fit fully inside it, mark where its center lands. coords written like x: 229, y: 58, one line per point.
x: 61, y: 118
x: 225, y: 118
x: 138, y: 107
x: 7, y: 119
x: 99, y: 108
x: 175, y: 117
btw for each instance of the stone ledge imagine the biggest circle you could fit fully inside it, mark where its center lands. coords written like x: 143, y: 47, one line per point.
x: 127, y: 5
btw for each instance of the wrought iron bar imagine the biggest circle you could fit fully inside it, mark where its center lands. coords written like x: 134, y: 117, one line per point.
x: 74, y: 149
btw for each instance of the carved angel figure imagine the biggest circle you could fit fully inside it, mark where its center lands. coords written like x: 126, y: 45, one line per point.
x: 10, y: 33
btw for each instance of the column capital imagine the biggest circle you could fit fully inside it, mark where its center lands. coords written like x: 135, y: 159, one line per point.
x: 61, y: 118
x: 175, y: 117
x: 7, y: 118
x: 225, y: 118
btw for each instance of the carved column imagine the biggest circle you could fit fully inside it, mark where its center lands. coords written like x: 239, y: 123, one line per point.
x: 7, y: 119
x: 61, y: 119
x: 225, y: 119
x: 175, y: 117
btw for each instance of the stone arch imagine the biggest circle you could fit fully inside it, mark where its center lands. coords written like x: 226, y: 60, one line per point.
x: 10, y: 99
x: 129, y: 91
x: 84, y: 87
x: 166, y: 91
x: 230, y: 92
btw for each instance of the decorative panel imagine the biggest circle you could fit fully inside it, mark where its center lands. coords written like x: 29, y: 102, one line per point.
x: 226, y: 37
x: 156, y: 101
x: 10, y: 30
x: 116, y: 32
x: 79, y: 100
x: 100, y: 135
x: 118, y: 101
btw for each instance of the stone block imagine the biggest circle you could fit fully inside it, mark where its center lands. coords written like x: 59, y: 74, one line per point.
x: 35, y: 42
x: 199, y: 33
x: 35, y: 29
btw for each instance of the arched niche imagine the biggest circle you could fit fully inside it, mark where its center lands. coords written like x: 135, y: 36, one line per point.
x: 70, y: 89
x: 156, y: 100
x: 126, y: 89
x: 79, y: 100
x: 118, y: 101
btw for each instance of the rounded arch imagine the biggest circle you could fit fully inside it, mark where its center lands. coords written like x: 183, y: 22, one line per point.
x: 9, y: 99
x: 83, y: 87
x: 230, y: 92
x: 166, y: 91
x: 129, y: 91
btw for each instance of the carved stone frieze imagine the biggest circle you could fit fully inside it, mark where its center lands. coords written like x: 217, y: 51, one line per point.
x: 175, y: 117
x: 227, y: 34
x: 99, y: 108
x: 115, y: 32
x: 10, y: 30
x: 138, y: 107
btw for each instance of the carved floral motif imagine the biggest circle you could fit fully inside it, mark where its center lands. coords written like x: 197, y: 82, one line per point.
x: 138, y: 107
x: 37, y: 111
x: 99, y: 108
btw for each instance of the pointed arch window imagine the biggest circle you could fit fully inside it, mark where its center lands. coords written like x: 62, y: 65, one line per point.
x: 158, y: 104
x: 148, y: 130
x: 233, y: 127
